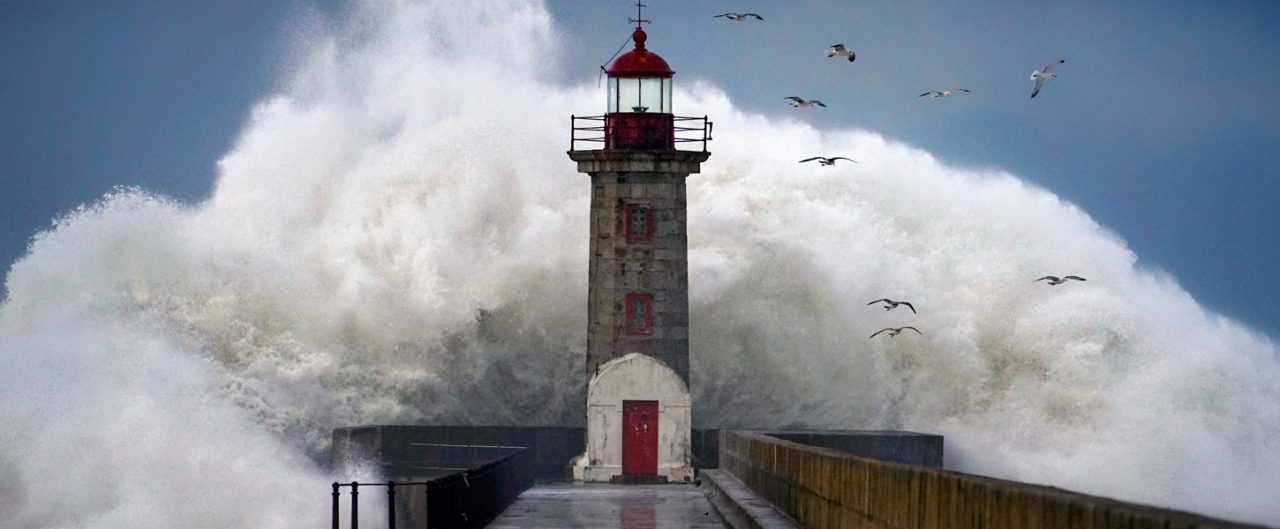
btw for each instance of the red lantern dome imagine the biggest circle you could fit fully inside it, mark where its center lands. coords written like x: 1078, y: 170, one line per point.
x: 640, y: 62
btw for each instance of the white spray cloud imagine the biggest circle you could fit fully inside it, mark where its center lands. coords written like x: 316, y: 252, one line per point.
x: 1121, y: 386
x: 398, y: 237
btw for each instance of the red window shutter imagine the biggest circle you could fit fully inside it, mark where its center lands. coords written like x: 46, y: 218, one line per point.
x: 638, y: 313
x: 639, y: 223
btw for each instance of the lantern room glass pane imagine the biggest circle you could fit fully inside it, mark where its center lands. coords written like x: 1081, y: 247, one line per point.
x: 666, y: 96
x: 650, y: 95
x: 613, y: 94
x: 628, y: 94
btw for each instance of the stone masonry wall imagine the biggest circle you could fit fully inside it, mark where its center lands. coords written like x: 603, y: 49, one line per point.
x: 822, y: 488
x: 658, y: 267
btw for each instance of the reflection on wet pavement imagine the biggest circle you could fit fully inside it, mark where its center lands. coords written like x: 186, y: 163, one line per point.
x: 610, y: 506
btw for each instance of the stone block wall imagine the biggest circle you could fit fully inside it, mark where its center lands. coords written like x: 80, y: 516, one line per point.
x: 823, y: 488
x: 657, y: 267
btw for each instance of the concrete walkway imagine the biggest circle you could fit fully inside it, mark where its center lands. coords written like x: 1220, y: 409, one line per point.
x: 560, y: 505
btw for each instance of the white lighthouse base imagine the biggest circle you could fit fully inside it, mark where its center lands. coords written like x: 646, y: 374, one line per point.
x: 635, y: 377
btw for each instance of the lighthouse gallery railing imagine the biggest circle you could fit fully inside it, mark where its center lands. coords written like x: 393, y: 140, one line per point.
x: 591, y: 129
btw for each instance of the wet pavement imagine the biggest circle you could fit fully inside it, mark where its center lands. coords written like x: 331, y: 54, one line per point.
x: 603, y: 505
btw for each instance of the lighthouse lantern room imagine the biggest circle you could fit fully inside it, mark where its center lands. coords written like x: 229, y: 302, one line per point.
x: 639, y: 115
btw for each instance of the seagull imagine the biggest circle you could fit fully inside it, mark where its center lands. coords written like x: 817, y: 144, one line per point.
x: 800, y: 102
x: 942, y: 93
x: 736, y: 17
x: 894, y: 332
x: 891, y: 304
x: 1042, y: 75
x: 839, y: 49
x: 826, y: 161
x: 1055, y: 280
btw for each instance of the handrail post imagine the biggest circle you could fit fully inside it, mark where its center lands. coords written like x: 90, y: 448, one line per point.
x: 335, y: 505
x: 391, y: 504
x: 705, y: 133
x: 355, y: 507
x: 711, y: 127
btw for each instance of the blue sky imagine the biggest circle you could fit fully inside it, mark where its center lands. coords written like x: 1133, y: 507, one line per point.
x: 1163, y: 125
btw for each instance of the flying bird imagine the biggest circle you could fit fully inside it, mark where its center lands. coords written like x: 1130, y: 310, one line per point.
x: 942, y: 93
x: 826, y: 161
x: 890, y: 304
x: 800, y: 102
x: 894, y: 332
x: 739, y: 17
x: 1055, y: 280
x: 1042, y: 75
x: 840, y: 50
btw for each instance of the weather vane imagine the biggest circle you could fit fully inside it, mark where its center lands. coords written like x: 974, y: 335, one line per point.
x: 638, y: 19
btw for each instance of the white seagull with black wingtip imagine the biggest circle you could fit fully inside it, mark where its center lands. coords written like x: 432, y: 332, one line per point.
x: 890, y: 304
x: 838, y: 50
x: 739, y: 17
x: 1042, y: 75
x: 826, y: 161
x: 800, y: 102
x: 942, y: 93
x: 895, y: 331
x: 1055, y: 280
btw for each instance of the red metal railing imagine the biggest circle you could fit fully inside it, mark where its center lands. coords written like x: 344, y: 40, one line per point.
x: 596, y: 130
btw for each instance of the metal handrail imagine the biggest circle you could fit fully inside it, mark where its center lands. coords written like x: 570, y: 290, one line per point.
x: 703, y: 130
x: 466, y: 446
x: 440, y: 484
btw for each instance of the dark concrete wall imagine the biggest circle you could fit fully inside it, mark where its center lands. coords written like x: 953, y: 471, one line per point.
x: 908, y: 448
x: 821, y: 488
x: 704, y: 448
x: 898, y: 447
x: 463, y: 499
x: 486, y: 491
x: 392, y: 447
x: 397, y: 448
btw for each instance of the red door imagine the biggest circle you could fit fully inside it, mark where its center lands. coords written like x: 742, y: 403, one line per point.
x: 640, y: 437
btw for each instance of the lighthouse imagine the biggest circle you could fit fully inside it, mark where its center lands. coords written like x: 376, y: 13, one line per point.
x: 638, y: 155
